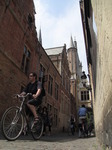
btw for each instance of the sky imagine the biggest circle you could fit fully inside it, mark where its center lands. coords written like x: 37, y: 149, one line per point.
x: 59, y: 20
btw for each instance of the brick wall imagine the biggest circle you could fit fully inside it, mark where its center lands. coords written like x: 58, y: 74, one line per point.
x: 11, y: 80
x: 14, y: 35
x: 62, y: 114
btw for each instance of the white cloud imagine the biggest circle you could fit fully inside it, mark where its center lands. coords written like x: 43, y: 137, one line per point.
x: 57, y: 31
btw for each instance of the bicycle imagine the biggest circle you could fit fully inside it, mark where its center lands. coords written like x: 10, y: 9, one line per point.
x: 83, y: 131
x: 14, y: 121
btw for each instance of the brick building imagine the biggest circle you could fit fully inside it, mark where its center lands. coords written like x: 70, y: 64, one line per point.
x: 52, y: 100
x: 97, y: 20
x: 71, y: 71
x: 20, y: 53
x: 58, y: 55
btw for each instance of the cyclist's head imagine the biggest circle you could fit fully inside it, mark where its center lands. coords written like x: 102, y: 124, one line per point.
x: 33, y: 74
x: 83, y: 105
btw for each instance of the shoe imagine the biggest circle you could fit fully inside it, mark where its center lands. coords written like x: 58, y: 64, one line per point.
x: 34, y: 124
x: 33, y: 129
x: 35, y: 120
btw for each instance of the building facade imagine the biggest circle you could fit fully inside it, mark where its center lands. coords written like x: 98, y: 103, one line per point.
x: 58, y: 55
x: 52, y: 85
x: 81, y: 94
x: 21, y: 53
x: 96, y: 20
x: 70, y: 68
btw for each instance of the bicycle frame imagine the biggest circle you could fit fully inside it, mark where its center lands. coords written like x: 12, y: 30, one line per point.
x: 27, y: 119
x: 83, y: 127
x: 23, y: 111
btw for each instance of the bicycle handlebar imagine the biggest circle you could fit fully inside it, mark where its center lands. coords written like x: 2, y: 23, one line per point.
x: 22, y: 96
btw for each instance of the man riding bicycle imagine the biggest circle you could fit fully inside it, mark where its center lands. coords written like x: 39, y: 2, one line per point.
x: 15, y: 121
x: 34, y: 87
x: 82, y: 113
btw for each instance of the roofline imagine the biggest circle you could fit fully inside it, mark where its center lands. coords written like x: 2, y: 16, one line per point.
x: 50, y: 60
x: 54, y: 47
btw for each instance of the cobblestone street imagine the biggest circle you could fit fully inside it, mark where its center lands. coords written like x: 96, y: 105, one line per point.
x: 54, y: 142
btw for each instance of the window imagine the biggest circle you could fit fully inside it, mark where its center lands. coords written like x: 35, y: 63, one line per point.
x: 55, y: 117
x: 50, y: 85
x: 56, y: 91
x: 49, y: 107
x: 62, y: 103
x: 30, y: 20
x: 42, y: 68
x: 62, y: 77
x: 42, y: 73
x: 25, y: 60
x: 84, y: 95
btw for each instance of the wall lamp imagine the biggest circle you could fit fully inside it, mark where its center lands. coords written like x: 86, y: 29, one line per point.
x: 84, y: 81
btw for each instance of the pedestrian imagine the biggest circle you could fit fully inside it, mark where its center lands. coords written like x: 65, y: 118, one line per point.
x: 50, y: 118
x: 72, y: 124
x: 47, y: 117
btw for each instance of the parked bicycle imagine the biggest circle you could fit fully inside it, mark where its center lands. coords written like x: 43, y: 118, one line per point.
x: 15, y: 121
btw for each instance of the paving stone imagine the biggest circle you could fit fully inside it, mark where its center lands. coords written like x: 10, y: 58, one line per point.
x: 54, y: 142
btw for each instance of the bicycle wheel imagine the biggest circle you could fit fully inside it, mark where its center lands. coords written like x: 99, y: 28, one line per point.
x: 12, y: 123
x: 37, y: 129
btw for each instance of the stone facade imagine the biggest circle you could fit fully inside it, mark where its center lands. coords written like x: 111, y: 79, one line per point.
x: 99, y: 63
x: 81, y: 94
x: 73, y: 66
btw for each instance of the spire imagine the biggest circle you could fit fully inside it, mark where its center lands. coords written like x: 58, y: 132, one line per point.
x: 75, y: 43
x: 40, y: 37
x: 71, y: 43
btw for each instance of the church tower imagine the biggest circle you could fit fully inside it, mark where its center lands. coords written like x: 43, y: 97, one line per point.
x: 72, y: 59
x: 40, y: 37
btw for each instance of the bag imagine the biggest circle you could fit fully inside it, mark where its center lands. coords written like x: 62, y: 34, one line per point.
x: 43, y: 93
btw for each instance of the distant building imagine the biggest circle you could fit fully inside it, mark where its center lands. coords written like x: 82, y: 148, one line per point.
x: 58, y: 55
x: 81, y: 94
x: 70, y: 68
